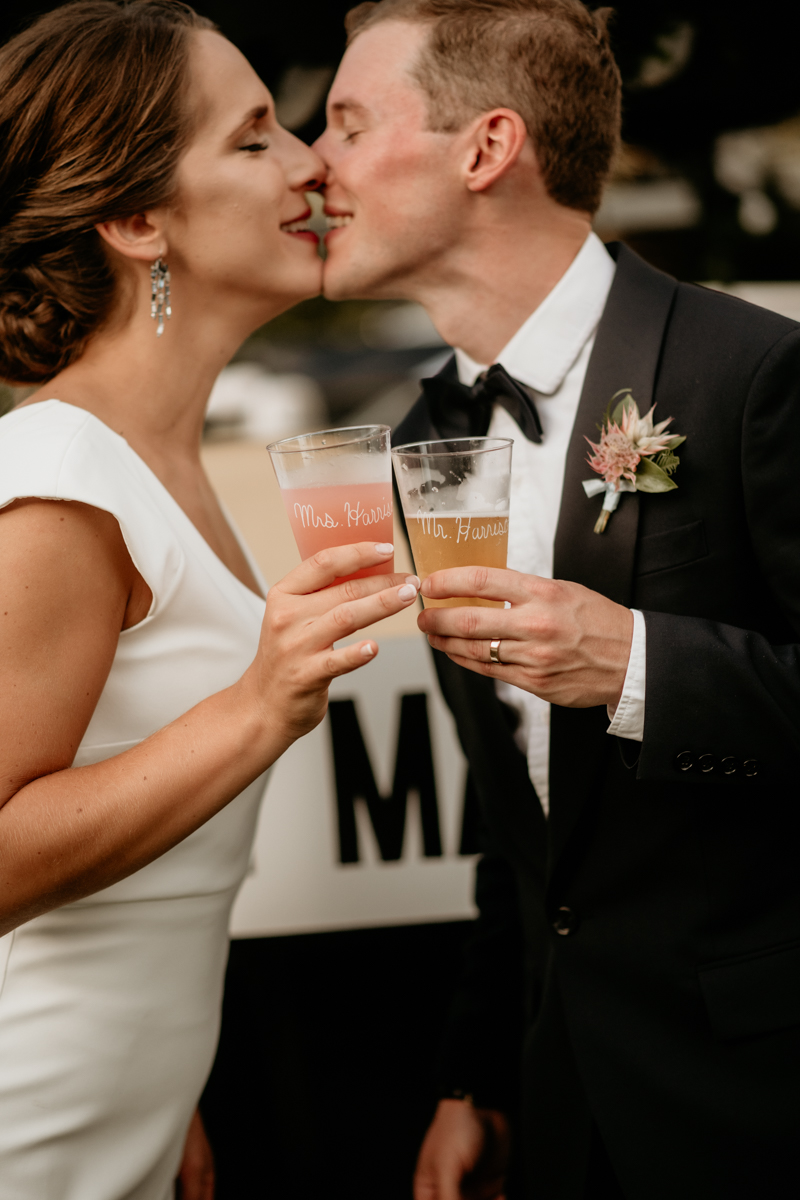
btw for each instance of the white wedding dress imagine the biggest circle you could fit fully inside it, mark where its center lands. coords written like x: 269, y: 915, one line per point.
x: 109, y: 1007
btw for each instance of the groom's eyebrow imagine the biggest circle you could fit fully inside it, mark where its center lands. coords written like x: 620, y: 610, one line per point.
x: 349, y: 106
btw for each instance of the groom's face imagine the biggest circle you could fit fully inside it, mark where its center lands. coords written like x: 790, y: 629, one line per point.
x: 394, y: 185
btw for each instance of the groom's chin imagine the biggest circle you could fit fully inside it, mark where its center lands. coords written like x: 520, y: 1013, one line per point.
x: 346, y: 275
x: 342, y: 281
x: 341, y: 284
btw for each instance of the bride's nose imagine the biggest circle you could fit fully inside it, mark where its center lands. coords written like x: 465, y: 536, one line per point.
x: 307, y: 172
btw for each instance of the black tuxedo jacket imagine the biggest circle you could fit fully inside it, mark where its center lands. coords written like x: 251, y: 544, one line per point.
x: 664, y: 1005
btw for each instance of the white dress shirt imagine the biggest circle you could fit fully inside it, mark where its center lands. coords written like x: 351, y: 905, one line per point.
x: 550, y: 354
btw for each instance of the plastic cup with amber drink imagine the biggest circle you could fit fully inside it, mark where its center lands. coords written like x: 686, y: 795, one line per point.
x: 455, y: 498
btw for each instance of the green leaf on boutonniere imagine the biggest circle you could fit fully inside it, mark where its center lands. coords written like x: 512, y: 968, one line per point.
x: 667, y: 461
x: 613, y: 414
x: 673, y: 443
x: 626, y: 403
x: 650, y: 478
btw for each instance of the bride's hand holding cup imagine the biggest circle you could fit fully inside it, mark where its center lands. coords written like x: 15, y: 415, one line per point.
x: 305, y: 617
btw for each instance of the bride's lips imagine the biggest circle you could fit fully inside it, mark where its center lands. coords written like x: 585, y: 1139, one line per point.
x: 337, y: 223
x: 298, y: 228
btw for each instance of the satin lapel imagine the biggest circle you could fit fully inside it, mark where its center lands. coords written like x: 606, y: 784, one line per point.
x: 519, y: 820
x: 626, y: 353
x: 416, y: 425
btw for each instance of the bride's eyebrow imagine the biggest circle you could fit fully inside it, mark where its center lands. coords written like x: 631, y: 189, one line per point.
x: 255, y: 115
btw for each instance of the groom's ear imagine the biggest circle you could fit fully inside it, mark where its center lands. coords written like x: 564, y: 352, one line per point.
x: 495, y: 142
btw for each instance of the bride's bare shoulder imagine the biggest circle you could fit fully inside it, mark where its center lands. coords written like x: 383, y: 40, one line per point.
x: 61, y: 559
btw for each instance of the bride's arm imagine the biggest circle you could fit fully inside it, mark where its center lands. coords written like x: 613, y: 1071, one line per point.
x: 66, y: 581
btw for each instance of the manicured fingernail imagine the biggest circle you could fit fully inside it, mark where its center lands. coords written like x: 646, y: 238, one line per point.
x: 407, y: 592
x: 368, y: 651
x: 414, y: 579
x: 384, y: 547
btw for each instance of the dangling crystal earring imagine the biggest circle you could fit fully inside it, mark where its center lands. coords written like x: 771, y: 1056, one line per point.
x: 160, y: 306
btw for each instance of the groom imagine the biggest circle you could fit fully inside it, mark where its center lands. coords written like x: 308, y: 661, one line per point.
x: 632, y: 720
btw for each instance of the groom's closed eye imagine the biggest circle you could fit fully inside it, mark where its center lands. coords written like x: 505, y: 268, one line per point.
x: 350, y: 117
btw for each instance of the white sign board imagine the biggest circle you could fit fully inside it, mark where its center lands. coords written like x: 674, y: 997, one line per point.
x: 381, y: 785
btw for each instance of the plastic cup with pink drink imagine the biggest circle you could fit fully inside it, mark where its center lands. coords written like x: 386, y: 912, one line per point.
x: 336, y: 487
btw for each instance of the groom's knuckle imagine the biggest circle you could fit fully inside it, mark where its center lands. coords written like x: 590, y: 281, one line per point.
x: 546, y: 658
x: 466, y: 622
x: 545, y: 627
x: 478, y: 578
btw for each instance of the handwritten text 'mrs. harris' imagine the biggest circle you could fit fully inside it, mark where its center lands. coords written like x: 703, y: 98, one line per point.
x: 462, y: 527
x: 355, y: 514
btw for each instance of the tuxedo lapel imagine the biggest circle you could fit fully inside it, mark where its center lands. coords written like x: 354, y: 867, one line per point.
x: 626, y: 354
x: 417, y: 425
x: 500, y: 770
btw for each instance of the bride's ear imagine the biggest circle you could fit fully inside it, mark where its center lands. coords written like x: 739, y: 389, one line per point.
x: 140, y: 237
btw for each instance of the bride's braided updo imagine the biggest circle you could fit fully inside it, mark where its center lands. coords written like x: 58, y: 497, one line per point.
x: 93, y: 120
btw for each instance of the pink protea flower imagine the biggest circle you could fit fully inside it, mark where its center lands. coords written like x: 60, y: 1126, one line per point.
x: 614, y: 456
x: 622, y: 446
x: 649, y: 439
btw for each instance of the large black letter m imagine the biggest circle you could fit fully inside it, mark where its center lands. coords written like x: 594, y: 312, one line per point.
x: 355, y: 780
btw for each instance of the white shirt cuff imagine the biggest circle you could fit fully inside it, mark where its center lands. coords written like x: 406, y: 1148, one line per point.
x: 627, y: 720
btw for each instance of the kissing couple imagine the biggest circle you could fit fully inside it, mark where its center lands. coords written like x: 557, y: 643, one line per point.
x: 629, y: 1015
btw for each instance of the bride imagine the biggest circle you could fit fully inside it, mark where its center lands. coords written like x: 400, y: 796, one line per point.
x: 145, y: 684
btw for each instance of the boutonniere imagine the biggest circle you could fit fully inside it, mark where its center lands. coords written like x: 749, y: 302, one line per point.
x: 632, y: 455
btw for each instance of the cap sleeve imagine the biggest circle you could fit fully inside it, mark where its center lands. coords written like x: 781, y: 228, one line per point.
x: 55, y: 451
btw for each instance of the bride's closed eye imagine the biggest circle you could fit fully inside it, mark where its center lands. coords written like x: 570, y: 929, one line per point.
x: 252, y: 147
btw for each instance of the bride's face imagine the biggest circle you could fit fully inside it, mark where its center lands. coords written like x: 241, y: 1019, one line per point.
x: 232, y: 232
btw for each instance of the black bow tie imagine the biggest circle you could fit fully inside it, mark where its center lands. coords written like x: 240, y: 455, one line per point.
x: 460, y: 411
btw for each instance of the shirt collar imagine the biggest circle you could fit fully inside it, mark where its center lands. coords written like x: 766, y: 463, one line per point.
x: 542, y: 351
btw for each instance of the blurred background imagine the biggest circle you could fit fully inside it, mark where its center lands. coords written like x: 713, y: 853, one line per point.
x: 322, y: 1086
x: 707, y: 187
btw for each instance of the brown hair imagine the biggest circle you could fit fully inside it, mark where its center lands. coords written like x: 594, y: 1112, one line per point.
x: 548, y: 60
x: 93, y: 120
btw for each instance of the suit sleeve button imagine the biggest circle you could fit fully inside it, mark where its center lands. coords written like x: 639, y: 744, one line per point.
x: 706, y: 763
x: 729, y: 765
x: 750, y: 767
x: 566, y: 921
x: 684, y: 761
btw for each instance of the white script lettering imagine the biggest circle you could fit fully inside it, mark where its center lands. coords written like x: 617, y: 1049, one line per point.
x: 310, y: 520
x: 487, y: 529
x: 358, y: 515
x: 432, y: 528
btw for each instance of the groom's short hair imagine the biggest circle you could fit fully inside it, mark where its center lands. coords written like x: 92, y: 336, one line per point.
x: 548, y: 60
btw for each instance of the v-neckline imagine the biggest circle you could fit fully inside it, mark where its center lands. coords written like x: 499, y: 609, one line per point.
x: 207, y: 548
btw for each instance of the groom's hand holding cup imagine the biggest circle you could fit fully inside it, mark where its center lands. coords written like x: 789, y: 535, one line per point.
x: 558, y: 639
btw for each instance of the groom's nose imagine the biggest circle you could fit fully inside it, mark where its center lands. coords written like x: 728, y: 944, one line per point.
x: 322, y: 148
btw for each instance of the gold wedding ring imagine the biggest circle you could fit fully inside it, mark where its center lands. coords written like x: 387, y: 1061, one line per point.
x: 494, y: 651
